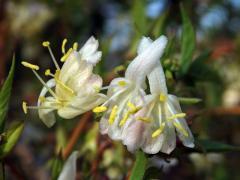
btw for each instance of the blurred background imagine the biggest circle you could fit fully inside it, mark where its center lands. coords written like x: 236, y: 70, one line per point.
x: 118, y: 25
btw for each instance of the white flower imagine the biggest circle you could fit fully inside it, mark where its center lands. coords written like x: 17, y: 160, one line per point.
x: 164, y: 116
x: 73, y: 89
x: 126, y: 95
x: 69, y: 170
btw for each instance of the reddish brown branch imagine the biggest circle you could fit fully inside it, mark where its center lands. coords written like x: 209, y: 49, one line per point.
x: 76, y: 133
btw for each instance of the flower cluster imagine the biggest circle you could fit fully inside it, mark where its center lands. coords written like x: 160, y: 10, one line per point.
x: 140, y: 120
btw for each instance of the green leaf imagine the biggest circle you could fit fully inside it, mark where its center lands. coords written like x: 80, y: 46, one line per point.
x: 184, y: 100
x: 139, y: 166
x: 57, y: 165
x: 139, y: 16
x: 11, y: 138
x: 187, y: 42
x: 5, y: 94
x: 157, y: 30
x: 215, y: 146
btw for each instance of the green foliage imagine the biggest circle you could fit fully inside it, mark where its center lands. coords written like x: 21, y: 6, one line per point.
x: 184, y: 100
x: 139, y: 16
x: 11, y: 138
x: 159, y: 25
x: 215, y: 146
x: 57, y: 165
x: 139, y: 166
x: 5, y: 94
x: 187, y: 42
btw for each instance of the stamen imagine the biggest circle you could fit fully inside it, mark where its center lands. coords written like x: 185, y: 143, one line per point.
x: 99, y: 109
x: 122, y: 83
x: 24, y: 107
x: 144, y: 119
x: 124, y: 119
x: 176, y: 116
x: 65, y: 86
x: 97, y: 88
x: 44, y: 84
x: 48, y: 72
x: 162, y: 97
x: 64, y: 58
x: 113, y: 114
x: 47, y: 44
x: 29, y: 65
x: 133, y: 108
x: 158, y: 131
x: 180, y: 128
x: 75, y: 46
x: 63, y: 45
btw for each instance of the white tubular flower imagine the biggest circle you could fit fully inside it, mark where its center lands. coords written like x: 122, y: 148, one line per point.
x: 73, y: 89
x: 69, y: 171
x: 164, y: 116
x: 126, y: 95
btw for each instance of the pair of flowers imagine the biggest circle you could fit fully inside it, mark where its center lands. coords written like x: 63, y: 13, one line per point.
x: 141, y: 121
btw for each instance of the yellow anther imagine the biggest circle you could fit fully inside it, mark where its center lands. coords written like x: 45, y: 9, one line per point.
x: 24, y: 107
x: 64, y: 58
x: 132, y: 108
x: 158, y: 131
x: 124, y: 119
x: 144, y: 119
x: 42, y: 99
x: 175, y: 116
x: 29, y: 65
x: 162, y: 97
x: 113, y: 114
x: 122, y: 83
x: 75, y: 46
x: 97, y: 88
x: 47, y: 72
x: 119, y: 68
x: 46, y: 43
x: 99, y: 109
x: 63, y: 45
x: 180, y: 128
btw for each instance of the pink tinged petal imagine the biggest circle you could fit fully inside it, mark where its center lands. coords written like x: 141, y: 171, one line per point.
x: 188, y: 140
x: 143, y: 44
x: 132, y: 137
x: 143, y: 64
x: 157, y: 80
x: 69, y: 171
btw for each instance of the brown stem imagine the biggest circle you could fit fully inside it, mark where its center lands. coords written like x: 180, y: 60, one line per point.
x: 225, y: 111
x: 75, y: 134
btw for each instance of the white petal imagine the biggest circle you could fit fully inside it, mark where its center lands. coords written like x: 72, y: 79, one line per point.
x: 174, y: 105
x: 169, y: 142
x: 80, y: 105
x: 89, y: 51
x: 144, y: 43
x: 47, y: 115
x: 143, y: 64
x: 157, y: 80
x: 69, y: 171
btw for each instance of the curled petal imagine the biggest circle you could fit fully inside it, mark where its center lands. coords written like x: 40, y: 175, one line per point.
x: 144, y: 43
x: 185, y: 135
x: 143, y: 64
x: 46, y: 113
x: 69, y: 171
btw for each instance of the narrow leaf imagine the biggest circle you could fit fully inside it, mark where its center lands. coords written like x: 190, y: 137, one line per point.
x: 5, y: 94
x: 215, y: 146
x: 187, y: 42
x: 139, y: 16
x: 12, y: 136
x: 184, y: 100
x: 139, y: 166
x: 57, y: 165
